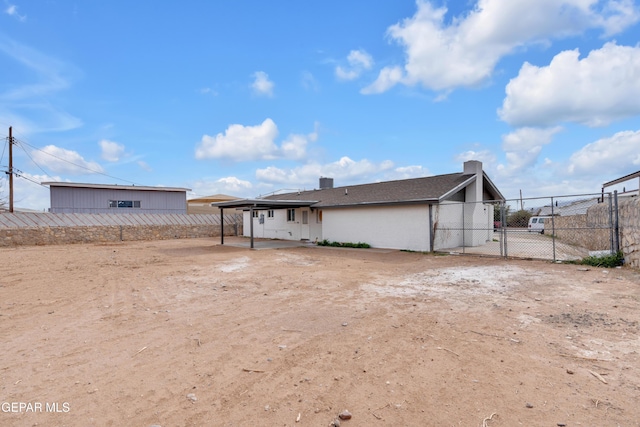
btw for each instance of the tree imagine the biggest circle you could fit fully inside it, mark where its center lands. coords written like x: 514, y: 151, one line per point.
x: 519, y: 218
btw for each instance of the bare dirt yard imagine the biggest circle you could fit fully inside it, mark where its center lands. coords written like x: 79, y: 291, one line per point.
x: 191, y: 333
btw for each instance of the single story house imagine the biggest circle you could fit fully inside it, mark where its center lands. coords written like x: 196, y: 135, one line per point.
x: 73, y: 197
x: 420, y: 214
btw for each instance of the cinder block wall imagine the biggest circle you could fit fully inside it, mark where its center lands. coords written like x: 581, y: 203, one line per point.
x: 578, y: 230
x: 590, y: 231
x: 629, y: 220
x: 59, y: 229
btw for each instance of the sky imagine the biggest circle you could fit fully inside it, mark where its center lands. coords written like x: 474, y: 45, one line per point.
x: 247, y: 97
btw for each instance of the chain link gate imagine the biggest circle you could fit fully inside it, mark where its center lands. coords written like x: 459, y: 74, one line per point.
x: 559, y: 228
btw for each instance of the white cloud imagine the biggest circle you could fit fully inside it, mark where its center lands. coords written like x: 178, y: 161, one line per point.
x: 309, y: 82
x: 262, y: 85
x: 487, y: 158
x: 61, y: 160
x: 144, y: 165
x: 27, y: 193
x: 583, y: 172
x: 231, y: 185
x: 442, y: 55
x: 596, y: 90
x: 241, y: 143
x: 614, y: 155
x: 208, y: 91
x: 388, y: 78
x: 344, y: 171
x: 406, y: 172
x: 12, y: 10
x: 295, y: 146
x: 359, y: 61
x: 111, y: 151
x: 23, y: 101
x: 522, y: 148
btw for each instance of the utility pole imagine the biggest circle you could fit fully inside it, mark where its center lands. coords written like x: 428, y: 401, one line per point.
x: 521, y: 205
x: 10, y: 170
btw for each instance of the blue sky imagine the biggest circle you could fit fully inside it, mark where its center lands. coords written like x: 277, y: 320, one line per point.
x: 249, y: 97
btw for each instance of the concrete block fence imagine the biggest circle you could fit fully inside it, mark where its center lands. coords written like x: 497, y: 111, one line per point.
x: 57, y: 229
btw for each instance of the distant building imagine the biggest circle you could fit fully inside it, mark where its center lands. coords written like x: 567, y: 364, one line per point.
x: 73, y: 197
x: 202, y: 205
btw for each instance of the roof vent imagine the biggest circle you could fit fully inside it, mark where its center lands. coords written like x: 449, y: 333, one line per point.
x: 326, y: 183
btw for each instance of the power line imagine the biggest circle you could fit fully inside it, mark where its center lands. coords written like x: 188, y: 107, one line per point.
x: 67, y: 161
x: 34, y: 162
x: 4, y: 147
x: 19, y: 175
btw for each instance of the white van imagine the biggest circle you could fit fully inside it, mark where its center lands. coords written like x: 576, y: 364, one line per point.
x: 536, y: 223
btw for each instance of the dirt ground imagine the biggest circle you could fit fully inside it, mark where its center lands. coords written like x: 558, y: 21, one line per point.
x: 191, y: 333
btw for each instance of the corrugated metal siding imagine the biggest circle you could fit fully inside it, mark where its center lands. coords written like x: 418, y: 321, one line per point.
x: 96, y: 200
x: 31, y: 220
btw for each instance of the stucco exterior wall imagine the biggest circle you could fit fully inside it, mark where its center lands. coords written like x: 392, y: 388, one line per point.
x: 278, y: 227
x: 393, y: 227
x: 462, y: 224
x: 447, y: 222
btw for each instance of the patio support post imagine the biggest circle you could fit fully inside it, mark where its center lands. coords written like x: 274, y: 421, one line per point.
x: 251, y: 224
x: 221, y: 226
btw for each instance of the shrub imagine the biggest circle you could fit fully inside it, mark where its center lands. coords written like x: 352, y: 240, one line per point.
x: 607, y: 261
x: 325, y: 242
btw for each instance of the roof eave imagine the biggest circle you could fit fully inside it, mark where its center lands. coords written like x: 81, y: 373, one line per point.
x: 457, y: 188
x: 380, y: 203
x: 263, y: 204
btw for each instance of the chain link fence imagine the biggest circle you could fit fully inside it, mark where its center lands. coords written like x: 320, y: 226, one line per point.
x: 558, y: 228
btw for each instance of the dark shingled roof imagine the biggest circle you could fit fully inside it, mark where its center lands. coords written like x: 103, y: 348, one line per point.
x: 416, y: 190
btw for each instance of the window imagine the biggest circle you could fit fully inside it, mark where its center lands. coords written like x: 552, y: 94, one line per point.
x: 291, y: 215
x: 318, y: 216
x: 270, y: 213
x: 124, y: 203
x: 255, y: 214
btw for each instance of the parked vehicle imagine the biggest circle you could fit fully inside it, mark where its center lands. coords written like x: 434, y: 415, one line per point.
x: 536, y: 223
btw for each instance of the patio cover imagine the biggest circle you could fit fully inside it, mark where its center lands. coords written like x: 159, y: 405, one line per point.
x: 257, y: 204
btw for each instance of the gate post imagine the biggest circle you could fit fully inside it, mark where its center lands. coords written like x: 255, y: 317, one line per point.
x: 553, y: 232
x: 611, y: 225
x: 617, y: 221
x: 503, y: 228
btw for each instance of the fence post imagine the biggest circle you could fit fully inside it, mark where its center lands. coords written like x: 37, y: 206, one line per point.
x: 611, y: 225
x: 553, y: 232
x: 503, y: 224
x: 617, y: 221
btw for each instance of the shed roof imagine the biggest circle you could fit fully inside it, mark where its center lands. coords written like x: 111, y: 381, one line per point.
x: 112, y: 186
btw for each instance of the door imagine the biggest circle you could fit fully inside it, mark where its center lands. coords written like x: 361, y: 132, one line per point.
x: 304, y: 228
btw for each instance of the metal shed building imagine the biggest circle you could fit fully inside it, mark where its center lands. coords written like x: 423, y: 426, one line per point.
x: 72, y: 197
